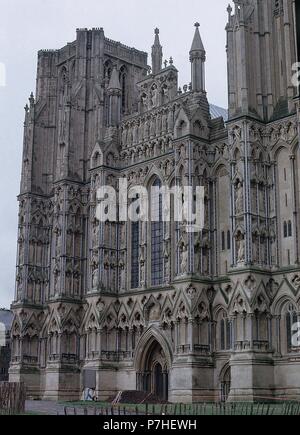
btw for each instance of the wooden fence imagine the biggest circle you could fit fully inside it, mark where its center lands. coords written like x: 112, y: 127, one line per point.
x: 284, y: 408
x: 12, y: 398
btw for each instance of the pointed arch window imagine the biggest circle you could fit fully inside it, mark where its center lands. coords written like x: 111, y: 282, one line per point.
x: 291, y: 318
x: 135, y: 243
x: 157, y: 235
x: 108, y: 69
x: 223, y: 241
x: 123, y: 83
x: 290, y: 229
x: 228, y: 240
x: 225, y: 334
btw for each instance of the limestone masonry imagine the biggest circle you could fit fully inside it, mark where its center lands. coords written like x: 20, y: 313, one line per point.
x: 149, y: 306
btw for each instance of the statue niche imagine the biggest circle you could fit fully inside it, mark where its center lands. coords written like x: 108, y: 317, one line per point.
x: 152, y: 310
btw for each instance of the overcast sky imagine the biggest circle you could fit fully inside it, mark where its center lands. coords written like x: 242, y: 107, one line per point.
x: 27, y: 26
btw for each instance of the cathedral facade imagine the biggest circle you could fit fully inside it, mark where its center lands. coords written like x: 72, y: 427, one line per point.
x: 150, y: 306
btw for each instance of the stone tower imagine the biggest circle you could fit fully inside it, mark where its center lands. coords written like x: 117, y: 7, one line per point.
x: 264, y: 165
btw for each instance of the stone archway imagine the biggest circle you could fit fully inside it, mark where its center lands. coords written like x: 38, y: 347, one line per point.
x: 154, y: 375
x: 225, y: 383
x: 153, y: 361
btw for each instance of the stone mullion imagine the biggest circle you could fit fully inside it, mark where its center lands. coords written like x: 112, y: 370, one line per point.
x: 252, y: 319
x: 44, y: 262
x: 190, y: 335
x: 176, y: 224
x: 177, y: 335
x: 295, y: 211
x: 101, y: 238
x: 85, y: 254
x: 27, y: 226
x: 276, y: 201
x: 191, y: 266
x: 288, y: 23
x: 89, y: 224
x: 119, y: 255
x: 19, y: 296
x: 52, y: 261
x: 64, y: 241
x: 49, y: 260
x: 109, y: 274
x: 18, y: 265
x: 116, y: 252
x: 258, y: 214
x: 234, y: 331
x: 247, y: 194
x: 244, y: 328
x: 268, y: 219
x: 144, y: 254
x: 213, y: 335
x: 278, y: 332
x: 213, y: 210
x: 270, y: 334
x: 232, y: 217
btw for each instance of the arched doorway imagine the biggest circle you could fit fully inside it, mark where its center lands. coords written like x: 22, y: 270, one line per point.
x: 154, y: 377
x: 225, y: 384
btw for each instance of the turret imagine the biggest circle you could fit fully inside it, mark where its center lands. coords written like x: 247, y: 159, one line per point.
x: 157, y: 54
x: 198, y: 58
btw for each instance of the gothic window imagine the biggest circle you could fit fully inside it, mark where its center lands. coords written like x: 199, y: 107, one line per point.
x: 291, y: 318
x: 290, y: 229
x: 135, y: 242
x: 223, y: 241
x: 228, y: 240
x: 222, y: 334
x: 285, y: 230
x: 157, y: 230
x: 223, y: 213
x: 225, y: 333
x: 107, y: 69
x: 133, y: 337
x: 123, y: 83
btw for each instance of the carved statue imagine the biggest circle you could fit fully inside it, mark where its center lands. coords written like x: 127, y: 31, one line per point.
x: 154, y: 96
x: 95, y: 279
x: 154, y: 313
x: 144, y: 100
x: 239, y: 203
x: 184, y: 260
x: 241, y: 250
x: 70, y: 244
x: 95, y: 235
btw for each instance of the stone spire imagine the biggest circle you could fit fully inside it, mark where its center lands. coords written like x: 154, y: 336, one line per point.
x: 198, y: 58
x: 157, y: 54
